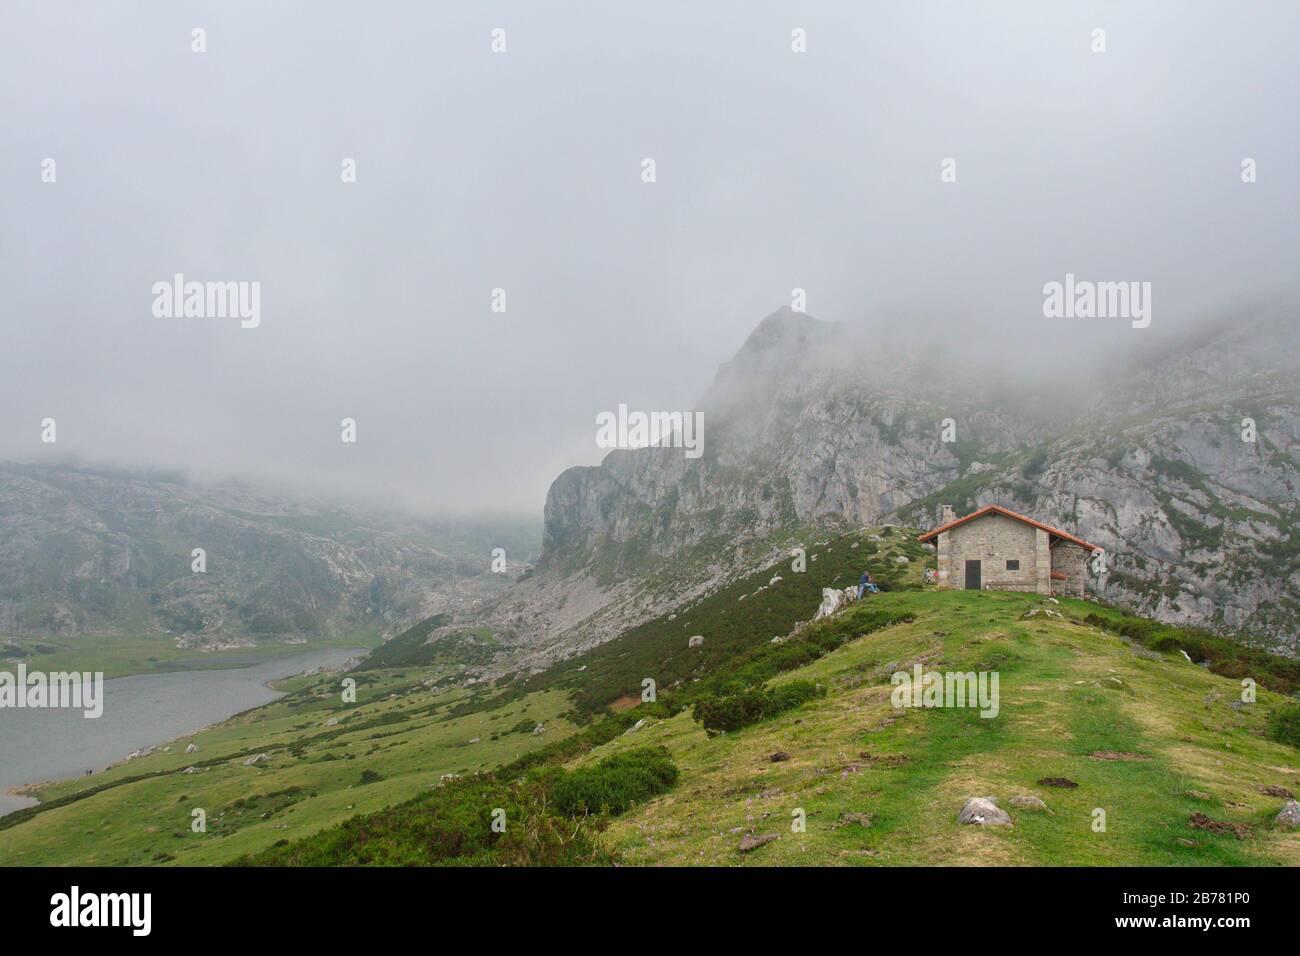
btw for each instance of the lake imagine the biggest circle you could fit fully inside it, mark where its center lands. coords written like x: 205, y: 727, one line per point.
x: 140, y: 711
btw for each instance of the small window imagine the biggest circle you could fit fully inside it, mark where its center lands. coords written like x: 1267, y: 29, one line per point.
x: 1013, y: 565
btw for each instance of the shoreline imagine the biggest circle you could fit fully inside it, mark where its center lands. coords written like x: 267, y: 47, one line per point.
x: 30, y: 790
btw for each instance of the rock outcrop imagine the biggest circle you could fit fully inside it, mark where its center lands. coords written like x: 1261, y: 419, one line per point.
x: 983, y: 811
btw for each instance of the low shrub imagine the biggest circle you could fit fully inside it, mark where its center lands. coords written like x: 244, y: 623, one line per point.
x: 1284, y: 725
x: 615, y: 783
x: 722, y: 713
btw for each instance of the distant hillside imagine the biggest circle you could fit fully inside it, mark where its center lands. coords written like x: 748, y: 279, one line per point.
x: 101, y: 551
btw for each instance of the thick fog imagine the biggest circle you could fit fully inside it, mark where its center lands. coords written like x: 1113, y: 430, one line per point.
x: 522, y: 170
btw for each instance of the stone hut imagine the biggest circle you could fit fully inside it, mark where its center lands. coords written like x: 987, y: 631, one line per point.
x: 997, y: 549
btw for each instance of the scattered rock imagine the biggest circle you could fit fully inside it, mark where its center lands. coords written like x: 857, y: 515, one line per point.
x: 775, y: 580
x: 902, y: 559
x: 1199, y: 821
x: 192, y: 749
x: 637, y: 726
x: 539, y: 729
x: 257, y: 759
x: 1275, y: 791
x: 751, y: 842
x: 1289, y: 815
x: 779, y: 756
x: 982, y: 811
x: 1183, y: 841
x: 695, y: 641
x: 1028, y: 802
x: 1061, y: 782
x: 1199, y: 795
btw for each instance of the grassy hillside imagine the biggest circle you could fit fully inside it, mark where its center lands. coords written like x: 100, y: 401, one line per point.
x: 1150, y: 739
x: 746, y: 613
x: 1143, y: 736
x: 1087, y: 695
x: 397, y: 741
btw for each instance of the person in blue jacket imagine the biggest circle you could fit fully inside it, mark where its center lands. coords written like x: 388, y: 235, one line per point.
x: 865, y: 584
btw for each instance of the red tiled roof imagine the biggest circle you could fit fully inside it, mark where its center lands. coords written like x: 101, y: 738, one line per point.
x: 998, y: 509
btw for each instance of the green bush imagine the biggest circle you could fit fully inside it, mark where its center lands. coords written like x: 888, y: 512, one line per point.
x: 727, y: 712
x: 615, y: 783
x: 1284, y: 725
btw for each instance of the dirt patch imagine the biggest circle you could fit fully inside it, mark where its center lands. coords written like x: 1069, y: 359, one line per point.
x: 1061, y: 782
x: 852, y: 819
x: 625, y: 703
x: 1199, y: 821
x: 1116, y: 755
x: 1277, y: 792
x: 884, y: 760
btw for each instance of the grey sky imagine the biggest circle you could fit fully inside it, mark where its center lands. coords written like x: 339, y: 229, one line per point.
x: 522, y: 170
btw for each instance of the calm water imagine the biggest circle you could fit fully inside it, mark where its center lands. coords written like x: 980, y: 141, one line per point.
x: 139, y: 712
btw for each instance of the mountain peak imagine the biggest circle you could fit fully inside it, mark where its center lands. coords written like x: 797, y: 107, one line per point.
x: 785, y: 328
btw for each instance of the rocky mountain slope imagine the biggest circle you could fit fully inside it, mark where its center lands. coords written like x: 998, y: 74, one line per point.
x: 100, y: 551
x: 814, y: 425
